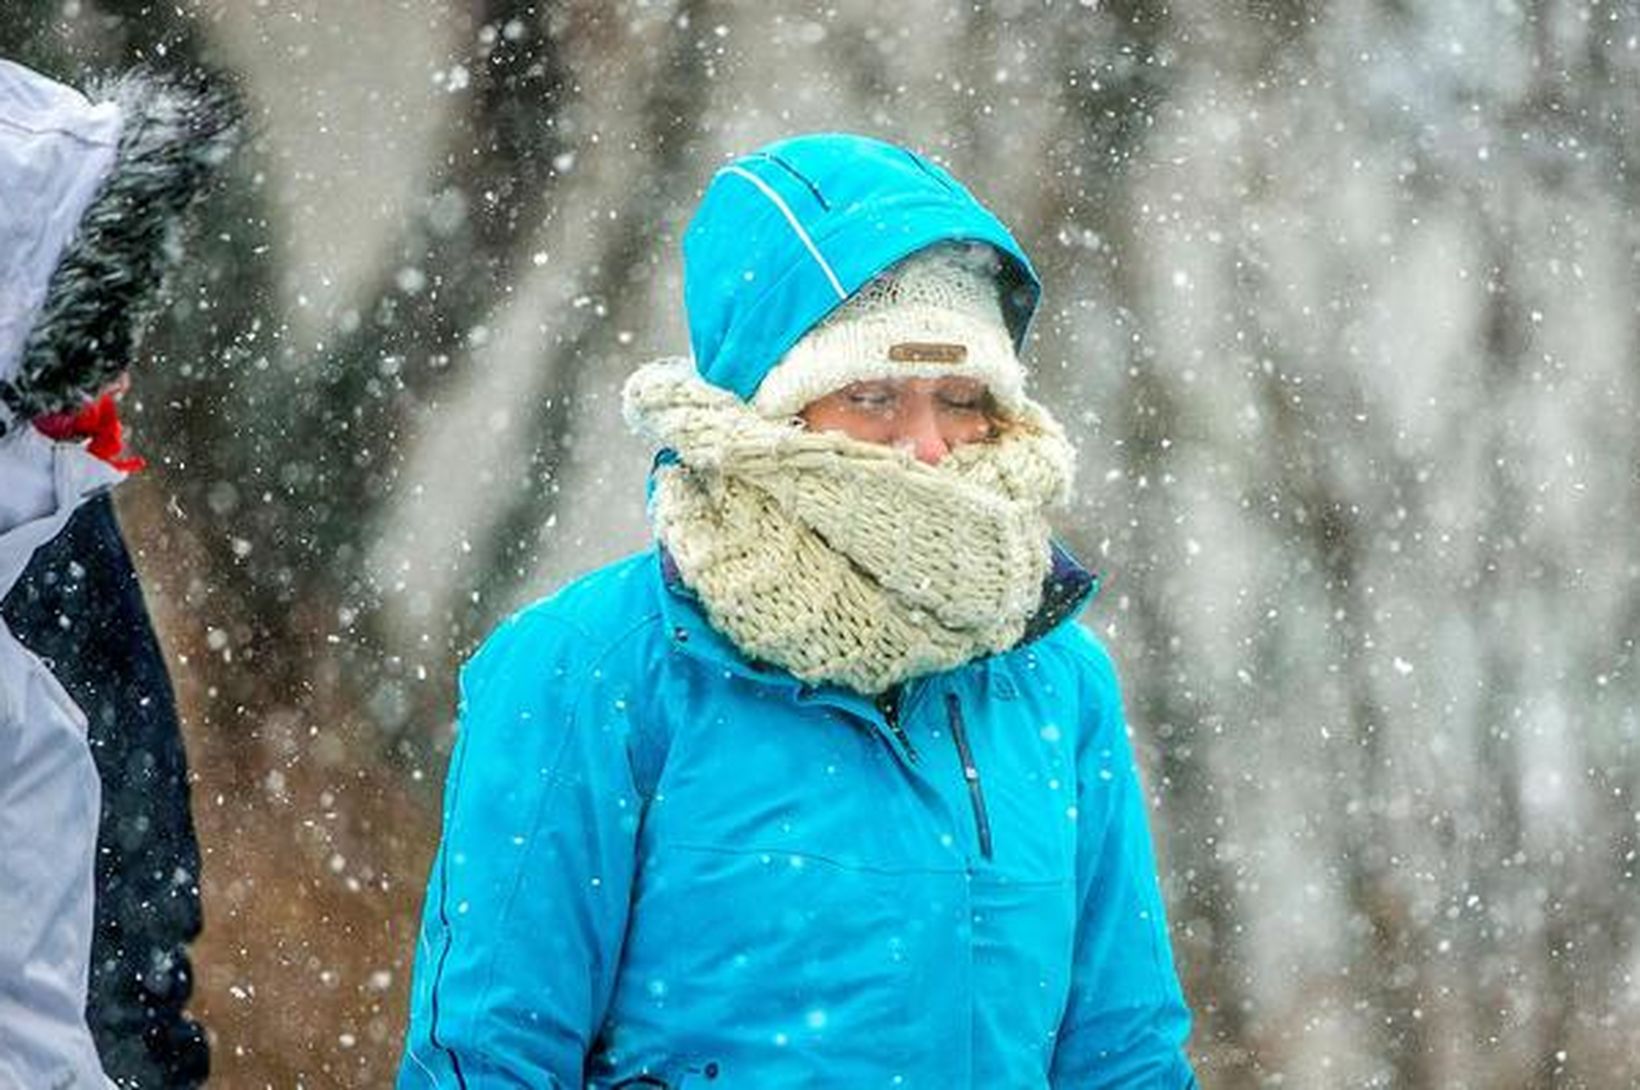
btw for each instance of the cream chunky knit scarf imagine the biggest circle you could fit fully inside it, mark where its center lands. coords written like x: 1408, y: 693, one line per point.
x: 844, y: 561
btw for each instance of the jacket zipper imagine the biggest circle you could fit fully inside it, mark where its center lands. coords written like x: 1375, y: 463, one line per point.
x: 970, y: 772
x: 889, y: 705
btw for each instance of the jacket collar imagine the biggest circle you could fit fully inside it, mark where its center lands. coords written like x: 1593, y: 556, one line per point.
x: 690, y: 631
x: 1067, y: 588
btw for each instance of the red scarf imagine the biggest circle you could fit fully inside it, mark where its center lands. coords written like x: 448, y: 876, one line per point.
x: 98, y: 421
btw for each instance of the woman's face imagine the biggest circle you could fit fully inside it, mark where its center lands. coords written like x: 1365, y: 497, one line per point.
x: 928, y: 417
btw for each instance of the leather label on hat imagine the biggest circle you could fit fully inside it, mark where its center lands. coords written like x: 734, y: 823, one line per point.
x: 927, y: 352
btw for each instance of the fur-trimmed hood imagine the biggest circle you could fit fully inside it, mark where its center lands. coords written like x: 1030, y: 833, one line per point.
x: 96, y: 189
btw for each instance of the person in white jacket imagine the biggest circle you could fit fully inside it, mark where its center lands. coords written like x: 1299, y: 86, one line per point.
x: 92, y: 195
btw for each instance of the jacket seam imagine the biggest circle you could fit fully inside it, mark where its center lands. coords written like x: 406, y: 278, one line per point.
x: 884, y: 871
x: 720, y: 849
x: 603, y: 647
x: 575, y: 680
x: 54, y: 130
x: 517, y: 878
x: 446, y: 942
x: 618, y: 641
x: 808, y: 183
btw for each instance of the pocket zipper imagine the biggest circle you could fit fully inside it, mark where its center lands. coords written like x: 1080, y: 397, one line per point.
x: 970, y: 772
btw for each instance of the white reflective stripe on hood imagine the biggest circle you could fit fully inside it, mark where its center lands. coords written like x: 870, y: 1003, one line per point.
x: 796, y: 226
x: 56, y: 147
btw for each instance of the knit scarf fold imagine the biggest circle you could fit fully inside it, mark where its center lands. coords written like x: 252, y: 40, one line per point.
x: 844, y: 561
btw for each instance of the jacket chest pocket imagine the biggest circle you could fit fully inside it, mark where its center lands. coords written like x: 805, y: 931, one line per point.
x: 1010, y: 776
x: 808, y: 783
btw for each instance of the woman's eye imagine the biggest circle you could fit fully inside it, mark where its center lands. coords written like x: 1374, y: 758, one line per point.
x: 962, y: 403
x: 874, y: 400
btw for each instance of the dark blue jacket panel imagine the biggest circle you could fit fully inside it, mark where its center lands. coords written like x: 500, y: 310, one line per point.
x: 80, y: 608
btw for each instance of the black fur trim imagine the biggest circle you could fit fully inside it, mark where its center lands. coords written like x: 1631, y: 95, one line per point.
x: 106, y: 286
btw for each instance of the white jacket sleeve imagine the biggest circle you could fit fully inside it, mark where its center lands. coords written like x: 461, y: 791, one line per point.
x: 49, y: 798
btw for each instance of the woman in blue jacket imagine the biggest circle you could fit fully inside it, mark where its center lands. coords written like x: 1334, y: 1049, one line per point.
x: 827, y: 789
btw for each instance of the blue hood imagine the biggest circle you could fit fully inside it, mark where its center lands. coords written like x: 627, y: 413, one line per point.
x: 785, y: 234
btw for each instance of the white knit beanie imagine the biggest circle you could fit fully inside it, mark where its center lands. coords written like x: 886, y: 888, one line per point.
x: 938, y: 313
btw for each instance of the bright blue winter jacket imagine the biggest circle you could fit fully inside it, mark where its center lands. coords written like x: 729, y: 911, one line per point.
x: 666, y: 866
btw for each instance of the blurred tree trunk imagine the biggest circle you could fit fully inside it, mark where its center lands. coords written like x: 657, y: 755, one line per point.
x: 350, y: 414
x: 676, y: 95
x: 1332, y: 528
x: 1500, y: 821
x: 285, y: 460
x: 1391, y: 955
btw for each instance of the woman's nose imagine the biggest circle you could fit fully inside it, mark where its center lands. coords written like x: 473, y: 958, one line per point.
x: 923, y: 437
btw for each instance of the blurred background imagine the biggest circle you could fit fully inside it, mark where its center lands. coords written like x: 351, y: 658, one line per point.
x: 1341, y: 310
